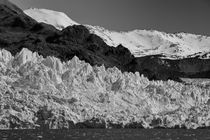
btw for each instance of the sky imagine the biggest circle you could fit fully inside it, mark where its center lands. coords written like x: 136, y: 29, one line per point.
x: 172, y: 16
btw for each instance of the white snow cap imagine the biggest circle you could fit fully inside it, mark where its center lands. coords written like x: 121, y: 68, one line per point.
x: 139, y: 42
x: 57, y: 19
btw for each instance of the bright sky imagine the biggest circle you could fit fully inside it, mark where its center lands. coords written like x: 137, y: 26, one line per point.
x: 191, y: 16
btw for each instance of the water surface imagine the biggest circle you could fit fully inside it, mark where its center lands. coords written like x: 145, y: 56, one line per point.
x: 107, y: 134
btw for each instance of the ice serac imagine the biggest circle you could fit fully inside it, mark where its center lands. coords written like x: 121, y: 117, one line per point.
x: 139, y: 42
x: 57, y: 19
x: 5, y: 56
x: 25, y: 56
x: 45, y: 92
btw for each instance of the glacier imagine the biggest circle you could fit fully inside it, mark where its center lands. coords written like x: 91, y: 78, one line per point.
x: 41, y: 92
x: 139, y: 42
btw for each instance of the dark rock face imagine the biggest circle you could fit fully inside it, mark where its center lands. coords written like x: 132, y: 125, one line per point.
x: 13, y: 18
x: 156, y: 68
x: 18, y: 31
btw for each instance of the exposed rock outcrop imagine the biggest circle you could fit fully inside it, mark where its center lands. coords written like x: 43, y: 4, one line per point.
x: 158, y: 68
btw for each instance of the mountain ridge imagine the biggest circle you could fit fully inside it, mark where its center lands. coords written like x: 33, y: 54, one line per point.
x: 142, y: 42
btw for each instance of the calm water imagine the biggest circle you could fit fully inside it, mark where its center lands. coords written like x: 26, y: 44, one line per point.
x: 109, y: 134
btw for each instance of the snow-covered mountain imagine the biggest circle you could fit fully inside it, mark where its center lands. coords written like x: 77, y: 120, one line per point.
x: 57, y: 19
x: 139, y: 42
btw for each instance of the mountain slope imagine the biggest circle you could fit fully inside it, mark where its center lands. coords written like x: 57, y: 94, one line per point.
x: 13, y: 17
x: 17, y: 31
x: 139, y: 42
x: 144, y: 42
